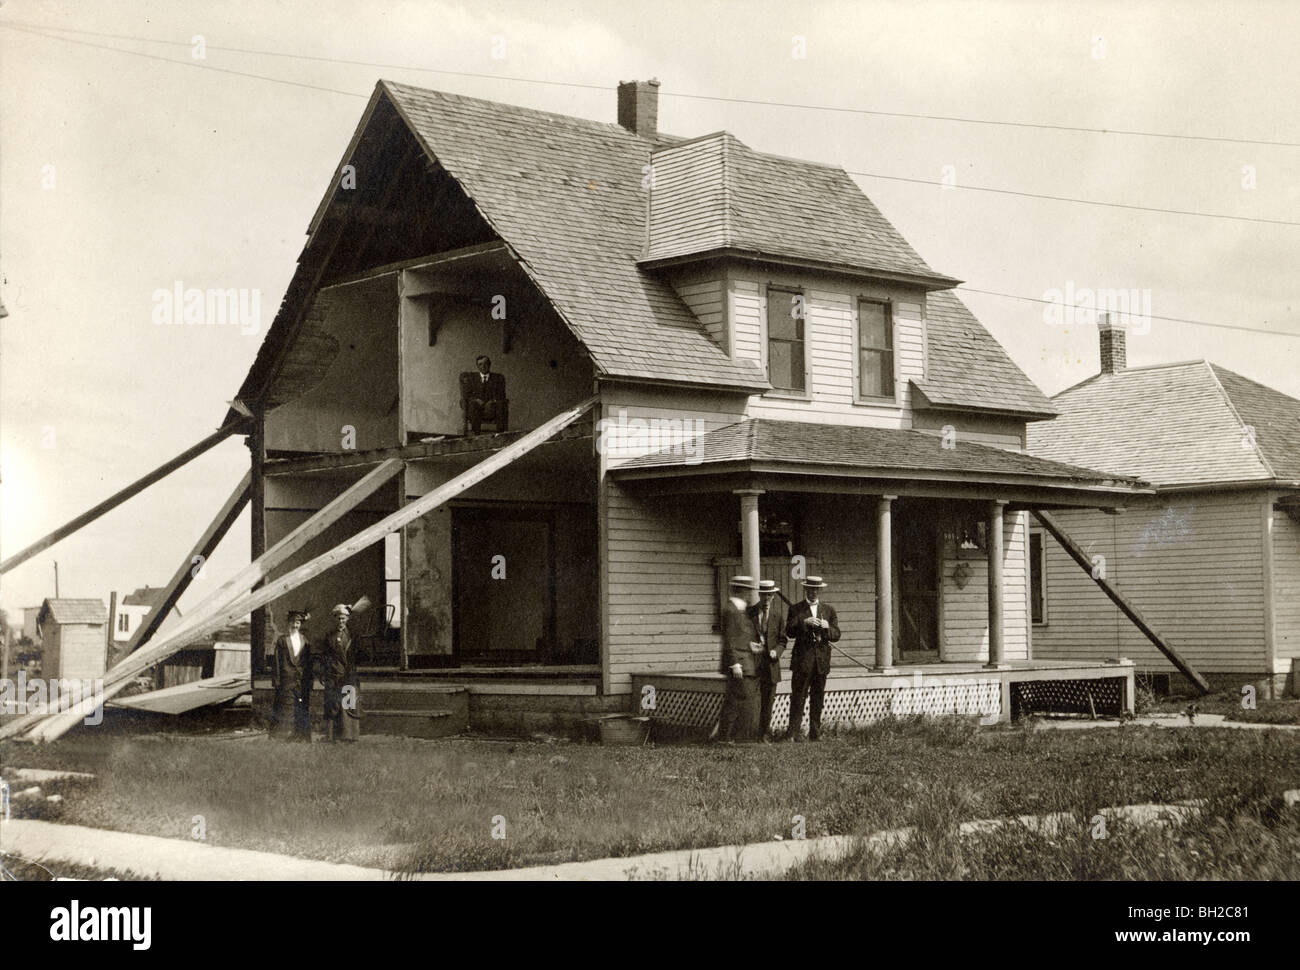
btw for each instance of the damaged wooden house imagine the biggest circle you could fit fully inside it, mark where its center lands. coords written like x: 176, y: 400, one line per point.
x: 540, y: 385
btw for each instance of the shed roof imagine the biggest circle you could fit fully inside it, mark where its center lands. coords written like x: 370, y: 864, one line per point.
x: 797, y: 442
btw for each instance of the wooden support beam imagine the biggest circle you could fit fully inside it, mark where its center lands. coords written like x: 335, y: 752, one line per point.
x: 751, y: 564
x: 187, y: 570
x: 59, y: 724
x: 113, y: 501
x: 238, y: 585
x: 1077, y: 553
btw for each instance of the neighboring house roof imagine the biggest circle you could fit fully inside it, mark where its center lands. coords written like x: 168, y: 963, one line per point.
x: 565, y: 194
x: 716, y: 193
x: 1176, y: 425
x: 65, y: 611
x: 150, y: 596
x: 802, y: 443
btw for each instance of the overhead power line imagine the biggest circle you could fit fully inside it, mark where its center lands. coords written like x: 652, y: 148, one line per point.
x: 316, y: 87
x: 1145, y: 316
x: 840, y: 109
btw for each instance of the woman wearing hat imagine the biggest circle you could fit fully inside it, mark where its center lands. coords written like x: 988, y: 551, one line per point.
x: 291, y: 677
x: 336, y: 665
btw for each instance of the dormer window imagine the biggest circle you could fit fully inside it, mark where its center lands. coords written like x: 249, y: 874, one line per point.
x: 786, y: 359
x: 876, y: 377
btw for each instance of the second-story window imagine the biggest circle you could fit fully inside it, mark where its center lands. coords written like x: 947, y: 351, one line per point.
x: 785, y: 340
x: 875, y: 350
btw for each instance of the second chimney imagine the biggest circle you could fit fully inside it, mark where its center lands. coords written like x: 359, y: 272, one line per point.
x: 1114, y: 353
x: 638, y: 107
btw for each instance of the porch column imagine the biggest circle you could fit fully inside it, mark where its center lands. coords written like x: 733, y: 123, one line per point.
x: 996, y: 642
x: 884, y: 584
x: 749, y: 558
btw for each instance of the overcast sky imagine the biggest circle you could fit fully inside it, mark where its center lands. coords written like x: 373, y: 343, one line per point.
x: 122, y: 174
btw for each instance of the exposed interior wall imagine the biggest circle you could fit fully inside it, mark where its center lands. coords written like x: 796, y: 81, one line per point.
x: 291, y: 501
x: 359, y: 389
x: 1191, y: 563
x: 545, y: 368
x: 558, y: 479
x: 1286, y: 585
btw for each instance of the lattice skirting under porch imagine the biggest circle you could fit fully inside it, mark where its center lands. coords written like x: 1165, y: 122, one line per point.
x: 687, y: 708
x: 1068, y: 696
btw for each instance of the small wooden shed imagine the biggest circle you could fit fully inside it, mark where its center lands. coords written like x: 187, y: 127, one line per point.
x: 72, y: 638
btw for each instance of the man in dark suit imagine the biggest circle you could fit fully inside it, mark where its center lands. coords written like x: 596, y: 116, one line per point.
x: 487, y: 397
x: 739, y: 664
x: 813, y: 626
x: 769, y: 631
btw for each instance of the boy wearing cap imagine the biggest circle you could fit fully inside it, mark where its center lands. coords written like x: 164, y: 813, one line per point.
x: 739, y: 664
x: 291, y: 678
x: 769, y: 631
x: 813, y: 626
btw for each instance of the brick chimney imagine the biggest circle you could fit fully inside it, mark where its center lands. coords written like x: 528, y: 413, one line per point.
x: 638, y: 106
x: 1114, y: 353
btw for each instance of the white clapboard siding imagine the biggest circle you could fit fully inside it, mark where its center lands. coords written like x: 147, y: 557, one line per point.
x: 707, y: 301
x: 638, y: 421
x: 1191, y: 564
x: 965, y: 616
x: 688, y: 200
x: 1286, y: 585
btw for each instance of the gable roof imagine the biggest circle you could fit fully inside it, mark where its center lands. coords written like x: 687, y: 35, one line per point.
x: 716, y: 193
x: 565, y: 195
x: 885, y: 449
x: 1175, y: 425
x: 73, y: 611
x: 150, y: 596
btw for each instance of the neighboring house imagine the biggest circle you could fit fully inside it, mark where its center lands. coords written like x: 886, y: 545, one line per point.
x: 72, y: 639
x: 133, y: 609
x: 765, y: 349
x: 1213, y: 558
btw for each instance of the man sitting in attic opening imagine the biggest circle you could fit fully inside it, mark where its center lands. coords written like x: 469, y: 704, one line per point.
x: 483, y: 396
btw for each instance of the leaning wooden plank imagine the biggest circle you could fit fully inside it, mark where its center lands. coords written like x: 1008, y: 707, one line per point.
x: 240, y: 583
x: 162, y: 471
x: 1077, y: 553
x: 187, y: 570
x: 256, y: 571
x: 246, y: 578
x: 59, y: 724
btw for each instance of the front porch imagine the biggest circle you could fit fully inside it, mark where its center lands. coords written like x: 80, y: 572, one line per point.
x: 688, y: 704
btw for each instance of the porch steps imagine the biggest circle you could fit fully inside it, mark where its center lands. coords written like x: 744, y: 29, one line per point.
x: 433, y: 712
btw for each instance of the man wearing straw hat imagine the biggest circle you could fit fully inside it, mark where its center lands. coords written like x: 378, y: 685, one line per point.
x: 813, y: 626
x: 291, y: 678
x: 769, y: 631
x: 739, y: 664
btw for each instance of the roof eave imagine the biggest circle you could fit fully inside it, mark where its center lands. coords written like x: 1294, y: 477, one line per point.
x: 927, y: 281
x: 921, y: 401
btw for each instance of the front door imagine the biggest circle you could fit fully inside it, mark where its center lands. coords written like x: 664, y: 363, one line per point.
x: 503, y: 578
x: 916, y: 553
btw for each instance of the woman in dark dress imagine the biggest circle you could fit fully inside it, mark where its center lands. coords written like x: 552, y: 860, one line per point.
x: 291, y: 677
x: 336, y: 664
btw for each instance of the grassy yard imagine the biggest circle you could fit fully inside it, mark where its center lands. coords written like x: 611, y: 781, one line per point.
x: 430, y: 806
x: 1284, y: 710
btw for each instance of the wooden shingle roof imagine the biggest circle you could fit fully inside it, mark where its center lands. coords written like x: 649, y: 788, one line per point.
x: 67, y: 610
x: 1174, y: 425
x: 800, y: 443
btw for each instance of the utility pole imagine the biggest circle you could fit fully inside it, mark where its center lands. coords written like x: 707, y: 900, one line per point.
x: 56, y: 579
